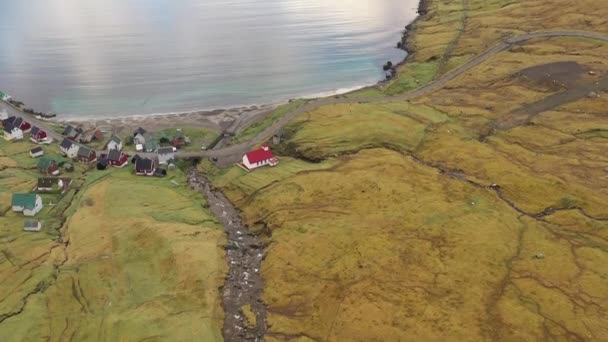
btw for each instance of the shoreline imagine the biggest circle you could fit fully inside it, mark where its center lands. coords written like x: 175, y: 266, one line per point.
x: 224, y: 119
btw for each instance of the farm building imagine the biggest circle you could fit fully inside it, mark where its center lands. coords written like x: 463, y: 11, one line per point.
x: 69, y: 148
x: 145, y: 167
x: 86, y: 155
x: 32, y: 225
x: 37, y: 135
x: 48, y: 166
x: 258, y: 158
x: 28, y: 204
x: 36, y: 152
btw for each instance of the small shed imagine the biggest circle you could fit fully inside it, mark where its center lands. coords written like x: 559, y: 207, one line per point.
x: 36, y: 152
x: 32, y: 225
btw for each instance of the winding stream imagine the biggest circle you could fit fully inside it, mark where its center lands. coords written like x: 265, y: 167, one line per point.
x: 244, y: 254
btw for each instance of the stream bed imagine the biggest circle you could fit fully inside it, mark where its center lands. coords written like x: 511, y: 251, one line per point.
x: 244, y: 254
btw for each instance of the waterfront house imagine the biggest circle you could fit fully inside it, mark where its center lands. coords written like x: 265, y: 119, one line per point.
x: 12, y: 133
x: 91, y: 135
x: 50, y: 184
x: 72, y: 133
x: 165, y: 154
x: 139, y: 139
x: 36, y: 152
x: 37, y: 135
x: 32, y: 226
x: 114, y: 144
x: 117, y: 158
x: 86, y: 155
x: 258, y: 158
x: 145, y: 167
x: 69, y: 148
x: 28, y: 204
x: 48, y: 166
x: 18, y: 122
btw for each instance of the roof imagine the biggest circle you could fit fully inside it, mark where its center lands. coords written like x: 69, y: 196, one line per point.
x: 139, y: 130
x: 84, y: 152
x: 8, y: 128
x: 31, y: 224
x: 36, y: 150
x: 35, y: 130
x: 66, y: 144
x: 103, y: 162
x: 165, y: 150
x: 24, y: 200
x: 116, y: 139
x: 18, y: 121
x: 144, y: 164
x: 8, y: 121
x: 47, y: 182
x: 45, y: 163
x: 259, y: 155
x: 114, y: 155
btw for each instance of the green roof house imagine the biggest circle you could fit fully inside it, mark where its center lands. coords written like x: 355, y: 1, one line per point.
x: 28, y: 204
x: 48, y: 166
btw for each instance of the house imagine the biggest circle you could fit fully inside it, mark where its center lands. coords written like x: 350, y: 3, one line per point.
x: 114, y: 144
x: 48, y: 184
x: 86, y: 155
x: 92, y: 135
x: 72, y: 133
x: 117, y: 158
x: 48, y: 166
x: 145, y: 167
x: 258, y: 158
x: 69, y: 148
x: 32, y: 225
x: 165, y: 154
x: 139, y: 139
x: 28, y: 204
x: 17, y: 122
x: 36, y: 152
x: 37, y: 135
x: 12, y: 132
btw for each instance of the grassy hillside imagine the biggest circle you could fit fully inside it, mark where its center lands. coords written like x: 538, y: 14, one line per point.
x: 120, y: 258
x: 475, y: 213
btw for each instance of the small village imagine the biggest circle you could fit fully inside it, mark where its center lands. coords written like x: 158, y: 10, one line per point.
x: 154, y: 156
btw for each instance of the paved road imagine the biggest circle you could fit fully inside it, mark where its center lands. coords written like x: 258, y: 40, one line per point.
x: 236, y: 151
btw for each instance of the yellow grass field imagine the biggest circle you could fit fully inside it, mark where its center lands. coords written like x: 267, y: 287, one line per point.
x: 135, y: 259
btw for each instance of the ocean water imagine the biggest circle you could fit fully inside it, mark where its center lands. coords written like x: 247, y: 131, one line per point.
x: 99, y: 58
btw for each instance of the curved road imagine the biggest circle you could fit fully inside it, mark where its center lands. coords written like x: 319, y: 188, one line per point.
x: 236, y: 151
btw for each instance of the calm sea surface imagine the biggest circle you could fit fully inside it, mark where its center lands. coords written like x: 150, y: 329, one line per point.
x: 116, y: 57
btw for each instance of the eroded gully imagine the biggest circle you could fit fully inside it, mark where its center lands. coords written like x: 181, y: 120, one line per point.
x: 243, y: 286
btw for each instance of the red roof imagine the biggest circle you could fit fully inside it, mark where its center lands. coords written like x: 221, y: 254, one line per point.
x: 256, y: 156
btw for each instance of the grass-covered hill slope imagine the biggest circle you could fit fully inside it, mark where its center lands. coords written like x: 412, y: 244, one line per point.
x: 477, y: 212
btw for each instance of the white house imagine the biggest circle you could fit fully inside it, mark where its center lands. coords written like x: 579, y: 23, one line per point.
x: 139, y: 139
x: 28, y: 204
x: 32, y: 226
x: 114, y: 144
x: 36, y: 152
x: 258, y: 158
x: 12, y: 132
x: 165, y: 154
x: 69, y: 148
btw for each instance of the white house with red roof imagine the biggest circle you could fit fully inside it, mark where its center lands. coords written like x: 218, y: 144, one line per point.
x: 258, y: 158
